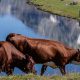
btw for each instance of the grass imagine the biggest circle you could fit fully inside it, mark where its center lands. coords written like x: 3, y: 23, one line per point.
x: 24, y: 77
x: 72, y: 76
x: 59, y: 7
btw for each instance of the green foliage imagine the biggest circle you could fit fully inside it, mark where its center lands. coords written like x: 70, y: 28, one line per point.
x: 59, y: 7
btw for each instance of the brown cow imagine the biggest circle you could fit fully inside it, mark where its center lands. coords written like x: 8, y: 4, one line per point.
x: 10, y: 57
x: 43, y: 51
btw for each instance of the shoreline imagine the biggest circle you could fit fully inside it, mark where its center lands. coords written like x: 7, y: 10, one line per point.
x: 53, y: 13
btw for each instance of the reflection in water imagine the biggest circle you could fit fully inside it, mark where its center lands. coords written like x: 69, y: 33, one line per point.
x: 62, y: 29
x: 51, y: 26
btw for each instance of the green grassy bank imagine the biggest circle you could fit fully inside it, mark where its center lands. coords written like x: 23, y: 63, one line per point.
x: 59, y: 7
x: 36, y: 77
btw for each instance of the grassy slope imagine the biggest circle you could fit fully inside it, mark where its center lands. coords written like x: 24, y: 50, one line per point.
x: 59, y: 7
x: 34, y: 77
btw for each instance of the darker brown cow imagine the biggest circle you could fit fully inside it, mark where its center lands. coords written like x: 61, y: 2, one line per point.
x: 43, y: 51
x: 10, y: 57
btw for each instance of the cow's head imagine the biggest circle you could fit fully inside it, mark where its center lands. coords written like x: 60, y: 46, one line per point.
x: 77, y: 56
x: 29, y: 64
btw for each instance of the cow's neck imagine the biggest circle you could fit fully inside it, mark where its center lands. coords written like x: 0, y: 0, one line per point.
x: 72, y: 60
x: 71, y: 55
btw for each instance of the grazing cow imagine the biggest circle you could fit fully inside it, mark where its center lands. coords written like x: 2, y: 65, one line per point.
x: 43, y: 51
x: 10, y: 57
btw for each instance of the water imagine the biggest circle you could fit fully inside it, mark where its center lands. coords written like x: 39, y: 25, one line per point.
x: 54, y: 27
x: 18, y: 17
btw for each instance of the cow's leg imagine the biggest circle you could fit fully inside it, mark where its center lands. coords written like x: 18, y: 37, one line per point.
x: 9, y: 70
x: 62, y: 69
x: 34, y: 71
x: 1, y: 69
x: 44, y: 67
